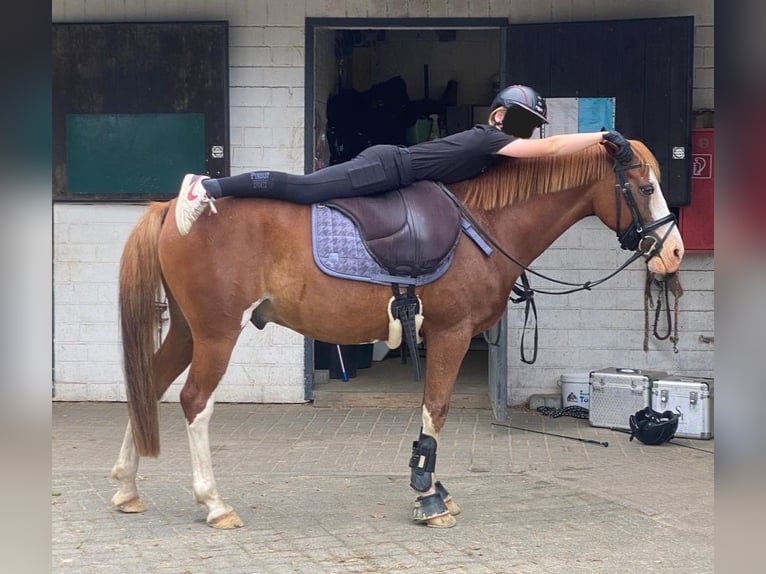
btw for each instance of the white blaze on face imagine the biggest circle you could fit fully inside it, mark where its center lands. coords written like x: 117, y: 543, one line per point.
x: 657, y: 206
x: 671, y: 251
x: 658, y: 209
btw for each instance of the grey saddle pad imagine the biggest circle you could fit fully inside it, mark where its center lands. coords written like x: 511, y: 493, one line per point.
x: 414, y: 232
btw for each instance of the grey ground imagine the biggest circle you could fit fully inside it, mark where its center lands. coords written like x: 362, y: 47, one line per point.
x: 325, y: 490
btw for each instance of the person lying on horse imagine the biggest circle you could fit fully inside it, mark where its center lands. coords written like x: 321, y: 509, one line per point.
x: 516, y: 111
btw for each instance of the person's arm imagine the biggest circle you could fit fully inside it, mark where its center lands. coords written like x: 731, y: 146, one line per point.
x: 562, y: 144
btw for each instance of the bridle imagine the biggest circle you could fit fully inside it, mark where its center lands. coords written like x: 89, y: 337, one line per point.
x: 638, y: 237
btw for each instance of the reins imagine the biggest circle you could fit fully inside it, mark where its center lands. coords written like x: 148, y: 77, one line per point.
x: 525, y: 288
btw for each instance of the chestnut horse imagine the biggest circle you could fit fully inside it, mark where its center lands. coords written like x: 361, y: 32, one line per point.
x: 254, y: 259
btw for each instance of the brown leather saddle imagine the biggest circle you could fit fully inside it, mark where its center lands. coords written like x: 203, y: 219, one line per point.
x: 408, y: 231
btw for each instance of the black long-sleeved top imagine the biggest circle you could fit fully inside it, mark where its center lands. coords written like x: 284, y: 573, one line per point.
x: 459, y: 156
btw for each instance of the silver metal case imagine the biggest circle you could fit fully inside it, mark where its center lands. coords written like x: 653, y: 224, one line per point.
x: 691, y: 398
x: 617, y: 393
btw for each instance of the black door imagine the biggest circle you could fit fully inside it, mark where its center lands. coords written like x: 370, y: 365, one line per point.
x: 646, y: 65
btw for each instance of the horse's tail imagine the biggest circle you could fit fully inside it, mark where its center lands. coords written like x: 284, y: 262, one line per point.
x: 140, y: 281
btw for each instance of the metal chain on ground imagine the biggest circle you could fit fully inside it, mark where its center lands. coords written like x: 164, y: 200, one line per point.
x: 570, y: 411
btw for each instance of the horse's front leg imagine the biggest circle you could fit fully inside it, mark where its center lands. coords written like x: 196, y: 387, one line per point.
x: 434, y: 506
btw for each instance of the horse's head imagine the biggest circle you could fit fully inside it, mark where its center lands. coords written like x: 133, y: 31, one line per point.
x: 628, y: 198
x: 638, y: 213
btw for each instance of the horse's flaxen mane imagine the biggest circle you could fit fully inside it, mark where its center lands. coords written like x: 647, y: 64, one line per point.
x: 513, y: 180
x: 646, y: 157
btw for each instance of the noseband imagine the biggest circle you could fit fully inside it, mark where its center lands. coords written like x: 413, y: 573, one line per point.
x: 638, y: 237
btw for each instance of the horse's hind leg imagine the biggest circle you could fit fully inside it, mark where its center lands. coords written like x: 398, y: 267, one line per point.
x: 208, y: 366
x: 126, y: 498
x: 173, y: 356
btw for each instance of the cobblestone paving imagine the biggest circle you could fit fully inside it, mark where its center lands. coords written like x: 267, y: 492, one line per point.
x: 326, y: 491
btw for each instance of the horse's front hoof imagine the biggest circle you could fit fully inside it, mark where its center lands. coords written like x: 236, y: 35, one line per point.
x: 227, y: 521
x: 449, y: 502
x: 452, y: 506
x: 432, y: 511
x: 132, y: 506
x: 446, y: 521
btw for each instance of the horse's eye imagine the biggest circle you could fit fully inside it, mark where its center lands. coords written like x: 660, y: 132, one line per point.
x: 647, y: 189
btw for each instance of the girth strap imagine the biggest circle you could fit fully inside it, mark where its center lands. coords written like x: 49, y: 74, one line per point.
x: 406, y: 308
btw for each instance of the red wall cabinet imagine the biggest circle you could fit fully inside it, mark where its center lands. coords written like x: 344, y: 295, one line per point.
x: 696, y: 219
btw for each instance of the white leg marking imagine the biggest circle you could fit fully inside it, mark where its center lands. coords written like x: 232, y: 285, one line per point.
x: 205, y: 491
x: 125, y: 470
x: 428, y: 424
x: 428, y: 428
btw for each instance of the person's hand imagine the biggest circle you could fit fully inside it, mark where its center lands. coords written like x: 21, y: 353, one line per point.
x: 618, y: 146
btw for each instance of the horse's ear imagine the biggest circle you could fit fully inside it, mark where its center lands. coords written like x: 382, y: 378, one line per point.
x: 609, y: 146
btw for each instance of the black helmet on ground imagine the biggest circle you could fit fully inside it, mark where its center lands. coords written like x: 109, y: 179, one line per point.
x: 652, y: 427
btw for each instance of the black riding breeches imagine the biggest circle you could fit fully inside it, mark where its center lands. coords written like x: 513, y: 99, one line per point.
x: 377, y: 169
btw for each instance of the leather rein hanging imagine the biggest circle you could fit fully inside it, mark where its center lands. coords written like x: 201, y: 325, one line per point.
x: 637, y: 237
x: 670, y: 284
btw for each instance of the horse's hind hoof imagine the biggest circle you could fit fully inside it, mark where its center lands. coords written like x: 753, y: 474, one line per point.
x: 227, y: 521
x: 446, y: 521
x: 132, y: 506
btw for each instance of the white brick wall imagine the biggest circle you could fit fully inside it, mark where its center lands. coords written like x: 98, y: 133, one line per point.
x: 87, y: 246
x: 88, y: 241
x: 604, y: 327
x: 601, y: 328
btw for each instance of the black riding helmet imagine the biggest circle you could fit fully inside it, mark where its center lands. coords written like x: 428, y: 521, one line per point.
x: 652, y: 427
x: 517, y: 98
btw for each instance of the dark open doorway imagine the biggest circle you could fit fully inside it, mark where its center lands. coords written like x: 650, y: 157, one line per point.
x: 399, y: 82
